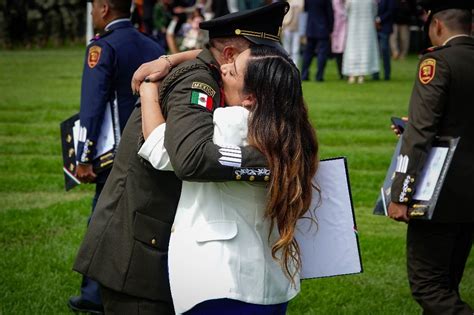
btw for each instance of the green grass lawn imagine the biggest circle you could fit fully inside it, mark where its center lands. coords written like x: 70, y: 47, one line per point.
x: 41, y: 225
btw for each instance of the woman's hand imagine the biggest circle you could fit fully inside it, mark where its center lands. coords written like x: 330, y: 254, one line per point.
x: 151, y: 71
x: 158, y: 69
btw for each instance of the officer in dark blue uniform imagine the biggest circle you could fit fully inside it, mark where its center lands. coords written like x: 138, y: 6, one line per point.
x: 107, y: 102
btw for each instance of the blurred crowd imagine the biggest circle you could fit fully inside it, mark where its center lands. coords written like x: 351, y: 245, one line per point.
x: 174, y: 23
x: 38, y: 22
x: 356, y: 33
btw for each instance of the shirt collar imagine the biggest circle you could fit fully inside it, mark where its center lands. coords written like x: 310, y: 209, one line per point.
x: 107, y: 27
x: 455, y: 36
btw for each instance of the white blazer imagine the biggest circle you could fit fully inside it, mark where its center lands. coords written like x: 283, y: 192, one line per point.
x: 220, y: 245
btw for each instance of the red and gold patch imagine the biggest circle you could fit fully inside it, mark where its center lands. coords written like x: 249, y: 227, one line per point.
x: 94, y: 56
x: 427, y: 70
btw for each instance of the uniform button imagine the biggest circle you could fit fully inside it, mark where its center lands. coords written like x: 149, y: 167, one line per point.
x: 266, y: 178
x: 252, y: 178
x: 412, y: 180
x: 238, y: 177
x: 409, y: 190
x: 153, y: 241
x: 405, y: 199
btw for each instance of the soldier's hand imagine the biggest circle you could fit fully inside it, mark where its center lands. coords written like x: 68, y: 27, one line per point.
x: 85, y: 173
x: 151, y: 71
x: 398, y: 212
x: 394, y: 128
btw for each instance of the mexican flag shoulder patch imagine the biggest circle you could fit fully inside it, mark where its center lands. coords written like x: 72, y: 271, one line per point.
x: 200, y: 98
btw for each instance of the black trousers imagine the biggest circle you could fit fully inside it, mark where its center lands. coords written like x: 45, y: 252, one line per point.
x: 436, y: 256
x: 119, y: 303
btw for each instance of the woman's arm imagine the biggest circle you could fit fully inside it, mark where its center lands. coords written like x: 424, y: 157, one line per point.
x: 158, y: 69
x: 151, y: 111
x: 153, y: 128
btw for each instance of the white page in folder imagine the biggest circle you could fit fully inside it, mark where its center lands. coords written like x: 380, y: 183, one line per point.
x: 106, y: 140
x: 330, y: 247
x: 430, y: 173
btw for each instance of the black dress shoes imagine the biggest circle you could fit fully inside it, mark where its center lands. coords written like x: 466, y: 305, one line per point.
x: 78, y: 304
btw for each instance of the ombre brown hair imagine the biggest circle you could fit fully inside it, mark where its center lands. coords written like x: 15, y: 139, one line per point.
x: 279, y: 127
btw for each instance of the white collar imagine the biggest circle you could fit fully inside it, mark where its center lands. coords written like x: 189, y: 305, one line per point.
x: 453, y: 37
x: 114, y: 22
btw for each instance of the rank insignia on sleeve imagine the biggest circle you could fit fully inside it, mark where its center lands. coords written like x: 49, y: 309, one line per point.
x: 202, y: 99
x: 427, y: 70
x: 94, y: 56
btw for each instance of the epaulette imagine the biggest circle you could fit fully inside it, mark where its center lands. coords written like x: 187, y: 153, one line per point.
x: 100, y: 35
x: 434, y: 48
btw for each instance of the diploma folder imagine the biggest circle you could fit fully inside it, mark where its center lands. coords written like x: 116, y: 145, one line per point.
x: 105, y: 149
x: 330, y: 245
x: 429, y: 183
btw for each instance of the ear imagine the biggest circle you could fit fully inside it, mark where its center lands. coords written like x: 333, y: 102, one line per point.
x: 229, y: 53
x: 439, y: 25
x: 249, y: 101
x: 105, y: 9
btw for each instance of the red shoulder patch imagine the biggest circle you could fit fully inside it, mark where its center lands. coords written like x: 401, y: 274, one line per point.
x: 427, y: 70
x: 94, y: 56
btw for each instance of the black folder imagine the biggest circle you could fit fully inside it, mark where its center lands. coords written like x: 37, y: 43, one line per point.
x: 429, y: 183
x: 69, y: 141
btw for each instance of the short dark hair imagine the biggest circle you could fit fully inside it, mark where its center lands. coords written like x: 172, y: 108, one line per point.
x: 121, y: 7
x: 239, y: 42
x: 456, y: 19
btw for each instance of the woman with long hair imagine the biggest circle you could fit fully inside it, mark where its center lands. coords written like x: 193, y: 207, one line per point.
x: 233, y: 247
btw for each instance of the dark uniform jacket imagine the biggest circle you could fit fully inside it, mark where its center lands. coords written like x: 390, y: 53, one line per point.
x: 320, y: 18
x: 386, y: 13
x: 125, y: 247
x: 442, y: 104
x: 111, y: 59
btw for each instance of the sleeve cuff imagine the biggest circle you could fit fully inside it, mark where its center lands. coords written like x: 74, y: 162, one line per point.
x: 153, y: 149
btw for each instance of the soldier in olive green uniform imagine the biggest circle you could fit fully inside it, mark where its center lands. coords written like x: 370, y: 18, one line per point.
x: 440, y: 105
x: 125, y: 247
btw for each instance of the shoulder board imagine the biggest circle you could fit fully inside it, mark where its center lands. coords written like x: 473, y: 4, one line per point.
x: 434, y: 48
x: 101, y: 35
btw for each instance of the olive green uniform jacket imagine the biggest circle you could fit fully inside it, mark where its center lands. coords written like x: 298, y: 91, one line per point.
x: 125, y: 247
x: 442, y: 104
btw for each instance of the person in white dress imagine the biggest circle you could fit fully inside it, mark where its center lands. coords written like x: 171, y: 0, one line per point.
x: 361, y: 54
x: 234, y: 241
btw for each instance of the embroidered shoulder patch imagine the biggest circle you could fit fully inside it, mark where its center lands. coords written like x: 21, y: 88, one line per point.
x: 94, y: 56
x: 427, y: 70
x: 200, y: 98
x: 203, y: 87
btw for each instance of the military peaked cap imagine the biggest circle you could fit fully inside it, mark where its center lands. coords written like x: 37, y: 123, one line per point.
x: 260, y: 26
